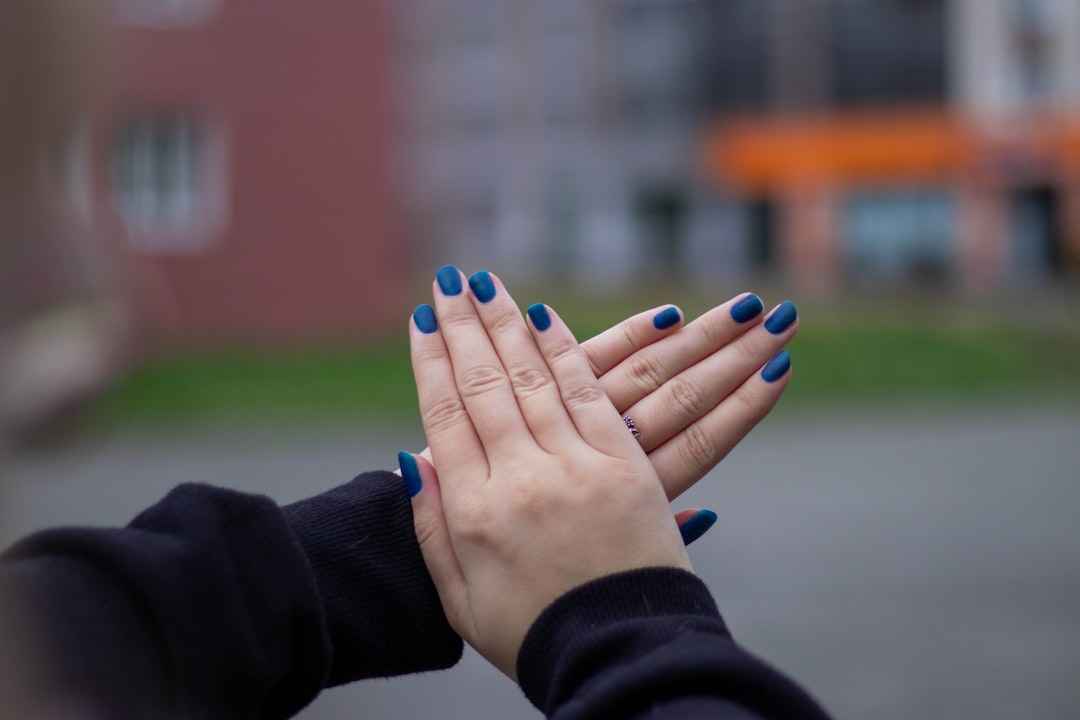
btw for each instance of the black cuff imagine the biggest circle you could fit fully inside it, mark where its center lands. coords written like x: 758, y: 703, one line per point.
x: 612, y: 620
x: 383, y: 614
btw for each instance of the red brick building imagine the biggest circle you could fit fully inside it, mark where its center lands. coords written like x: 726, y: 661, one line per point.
x: 243, y: 156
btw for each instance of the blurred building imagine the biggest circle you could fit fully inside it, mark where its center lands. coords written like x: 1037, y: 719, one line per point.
x: 900, y: 142
x: 558, y: 139
x: 832, y: 142
x: 244, y: 155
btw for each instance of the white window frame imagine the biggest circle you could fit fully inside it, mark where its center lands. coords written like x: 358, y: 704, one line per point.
x: 171, y: 201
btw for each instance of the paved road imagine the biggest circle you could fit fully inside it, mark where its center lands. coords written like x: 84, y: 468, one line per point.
x: 925, y: 564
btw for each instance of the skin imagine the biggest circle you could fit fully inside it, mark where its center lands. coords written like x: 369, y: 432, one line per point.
x: 540, y: 486
x: 694, y: 391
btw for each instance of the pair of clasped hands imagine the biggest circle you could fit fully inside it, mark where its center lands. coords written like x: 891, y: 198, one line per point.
x: 541, y: 486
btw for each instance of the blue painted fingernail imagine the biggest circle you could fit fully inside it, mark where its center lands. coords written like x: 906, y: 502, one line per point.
x: 449, y: 278
x: 666, y: 318
x: 697, y: 526
x: 747, y: 308
x: 424, y: 317
x: 410, y: 473
x: 481, y: 285
x: 539, y: 315
x: 781, y: 318
x: 777, y: 367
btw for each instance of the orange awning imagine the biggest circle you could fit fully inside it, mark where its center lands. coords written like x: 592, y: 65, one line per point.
x: 758, y: 154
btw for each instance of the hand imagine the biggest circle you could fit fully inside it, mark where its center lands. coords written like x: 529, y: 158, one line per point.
x: 540, y: 486
x: 693, y: 392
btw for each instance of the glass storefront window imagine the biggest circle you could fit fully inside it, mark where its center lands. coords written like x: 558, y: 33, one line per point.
x: 898, y: 235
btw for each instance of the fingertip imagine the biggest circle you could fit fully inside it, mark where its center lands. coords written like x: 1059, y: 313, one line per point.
x: 776, y: 368
x: 746, y: 308
x: 667, y: 318
x: 482, y: 285
x: 539, y: 316
x: 781, y: 318
x: 425, y: 320
x: 683, y: 516
x: 410, y: 474
x: 697, y: 525
x: 448, y: 278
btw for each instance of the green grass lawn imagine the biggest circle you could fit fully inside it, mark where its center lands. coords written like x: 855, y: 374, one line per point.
x: 853, y: 354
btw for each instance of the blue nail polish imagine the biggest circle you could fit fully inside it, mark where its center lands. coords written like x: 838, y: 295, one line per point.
x: 410, y: 474
x: 666, y: 318
x: 781, y: 318
x: 539, y: 315
x: 697, y: 526
x: 747, y: 308
x: 449, y: 278
x: 481, y: 285
x: 424, y: 317
x: 777, y: 367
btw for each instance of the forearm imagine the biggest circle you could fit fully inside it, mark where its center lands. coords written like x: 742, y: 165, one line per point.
x: 382, y: 611
x: 649, y: 643
x: 215, y: 603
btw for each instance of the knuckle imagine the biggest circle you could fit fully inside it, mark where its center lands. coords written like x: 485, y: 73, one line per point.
x: 687, y: 397
x: 528, y: 497
x: 645, y: 372
x: 581, y: 395
x: 631, y: 337
x: 455, y: 318
x: 428, y: 353
x: 748, y: 403
x: 481, y: 379
x: 472, y: 520
x: 444, y: 414
x: 505, y: 320
x: 699, y: 449
x: 561, y: 350
x: 426, y: 526
x: 712, y: 331
x: 529, y: 380
x: 748, y: 353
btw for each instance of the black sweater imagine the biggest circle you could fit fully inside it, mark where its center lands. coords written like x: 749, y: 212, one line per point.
x: 219, y: 604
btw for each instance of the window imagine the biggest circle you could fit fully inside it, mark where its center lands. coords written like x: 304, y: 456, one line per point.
x: 1032, y: 31
x: 898, y: 235
x: 660, y: 60
x: 888, y: 51
x: 736, y: 55
x: 168, y: 181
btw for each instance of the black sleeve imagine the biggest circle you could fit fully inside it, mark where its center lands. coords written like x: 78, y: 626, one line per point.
x: 219, y: 604
x: 649, y: 643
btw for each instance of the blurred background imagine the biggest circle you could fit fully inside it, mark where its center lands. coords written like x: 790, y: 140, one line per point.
x: 216, y: 216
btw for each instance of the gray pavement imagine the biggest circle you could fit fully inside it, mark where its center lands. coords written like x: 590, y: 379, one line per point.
x: 922, y: 564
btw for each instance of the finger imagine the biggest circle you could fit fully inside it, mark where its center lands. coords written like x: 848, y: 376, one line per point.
x: 693, y: 523
x: 684, y: 459
x: 447, y: 425
x: 617, y: 343
x: 593, y: 415
x: 642, y: 372
x: 479, y: 375
x: 422, y: 484
x: 532, y: 382
x: 689, y: 395
x: 683, y: 516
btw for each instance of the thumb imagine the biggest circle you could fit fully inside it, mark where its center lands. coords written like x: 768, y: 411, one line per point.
x: 422, y: 484
x: 693, y: 523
